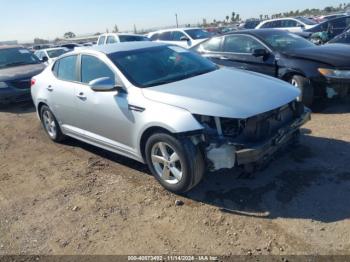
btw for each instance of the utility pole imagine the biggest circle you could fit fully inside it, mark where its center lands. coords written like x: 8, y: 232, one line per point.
x: 177, y: 21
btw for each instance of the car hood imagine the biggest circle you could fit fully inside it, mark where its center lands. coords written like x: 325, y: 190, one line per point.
x: 20, y: 72
x: 230, y: 93
x: 337, y: 55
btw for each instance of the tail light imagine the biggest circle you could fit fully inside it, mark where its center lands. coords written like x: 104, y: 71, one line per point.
x: 32, y: 82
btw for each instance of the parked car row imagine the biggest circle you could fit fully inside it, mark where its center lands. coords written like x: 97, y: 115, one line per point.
x: 183, y: 103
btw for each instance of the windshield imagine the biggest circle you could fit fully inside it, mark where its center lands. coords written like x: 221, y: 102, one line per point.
x: 284, y: 42
x: 197, y: 33
x: 306, y: 21
x: 160, y: 65
x: 16, y: 57
x: 56, y: 52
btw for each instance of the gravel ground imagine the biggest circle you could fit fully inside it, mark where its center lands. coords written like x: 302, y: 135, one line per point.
x: 73, y: 198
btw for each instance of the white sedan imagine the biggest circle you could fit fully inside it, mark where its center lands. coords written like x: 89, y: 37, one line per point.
x: 294, y: 25
x: 47, y: 56
x: 184, y: 37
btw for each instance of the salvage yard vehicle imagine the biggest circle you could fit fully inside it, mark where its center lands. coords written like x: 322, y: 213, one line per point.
x: 318, y: 71
x: 343, y: 38
x: 168, y: 107
x: 329, y: 29
x: 112, y: 38
x: 17, y: 66
x: 295, y: 25
x: 184, y: 37
x: 49, y: 55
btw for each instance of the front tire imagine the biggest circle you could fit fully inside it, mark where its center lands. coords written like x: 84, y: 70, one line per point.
x: 177, y: 164
x: 306, y: 89
x: 50, y: 124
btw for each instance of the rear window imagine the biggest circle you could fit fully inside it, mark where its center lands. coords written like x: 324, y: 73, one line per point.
x: 56, y: 52
x: 306, y: 21
x: 198, y: 33
x: 132, y: 38
x: 16, y: 57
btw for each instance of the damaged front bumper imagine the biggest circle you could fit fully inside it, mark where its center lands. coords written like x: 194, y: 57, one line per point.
x: 263, y: 151
x: 227, y: 155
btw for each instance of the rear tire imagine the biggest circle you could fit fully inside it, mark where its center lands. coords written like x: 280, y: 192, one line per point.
x: 177, y: 164
x: 50, y: 124
x: 306, y: 89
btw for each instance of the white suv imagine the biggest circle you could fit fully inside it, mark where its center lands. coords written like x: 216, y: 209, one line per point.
x: 294, y: 25
x: 112, y: 38
x: 184, y: 37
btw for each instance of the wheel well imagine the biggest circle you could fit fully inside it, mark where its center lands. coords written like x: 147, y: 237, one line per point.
x: 147, y: 134
x: 41, y: 104
x: 289, y: 75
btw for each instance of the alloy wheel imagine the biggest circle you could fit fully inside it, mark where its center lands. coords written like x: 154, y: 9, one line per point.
x: 166, y: 163
x: 50, y: 124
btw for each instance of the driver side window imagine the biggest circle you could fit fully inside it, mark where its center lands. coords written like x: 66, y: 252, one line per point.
x: 93, y: 68
x: 241, y: 44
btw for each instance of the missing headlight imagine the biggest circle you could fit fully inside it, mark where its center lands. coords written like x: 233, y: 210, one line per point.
x: 226, y: 127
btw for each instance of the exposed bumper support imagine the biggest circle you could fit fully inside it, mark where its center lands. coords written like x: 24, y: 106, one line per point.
x: 262, y: 151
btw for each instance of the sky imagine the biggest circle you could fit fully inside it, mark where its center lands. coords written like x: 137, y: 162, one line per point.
x: 23, y: 20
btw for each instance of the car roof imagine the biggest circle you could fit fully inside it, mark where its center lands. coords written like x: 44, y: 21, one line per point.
x: 277, y: 19
x: 128, y: 34
x: 257, y: 32
x: 51, y: 49
x: 121, y: 47
x: 337, y: 18
x: 175, y: 29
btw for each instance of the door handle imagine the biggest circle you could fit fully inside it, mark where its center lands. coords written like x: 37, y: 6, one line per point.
x: 49, y: 88
x: 81, y: 96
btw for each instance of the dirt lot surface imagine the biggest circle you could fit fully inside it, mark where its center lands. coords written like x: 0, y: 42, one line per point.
x: 72, y: 198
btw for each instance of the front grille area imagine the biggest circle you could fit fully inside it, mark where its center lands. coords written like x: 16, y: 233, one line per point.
x: 20, y: 84
x: 261, y: 127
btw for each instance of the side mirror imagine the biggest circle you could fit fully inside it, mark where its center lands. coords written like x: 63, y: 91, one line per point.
x: 104, y: 84
x: 45, y: 59
x: 302, y: 26
x: 260, y: 52
x: 184, y: 38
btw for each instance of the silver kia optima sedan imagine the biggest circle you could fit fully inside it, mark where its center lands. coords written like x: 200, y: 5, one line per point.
x: 168, y: 107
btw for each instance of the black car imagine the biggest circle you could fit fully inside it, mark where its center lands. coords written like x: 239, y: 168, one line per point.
x: 319, y: 71
x: 343, y: 38
x: 17, y: 66
x: 329, y: 29
x: 249, y: 24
